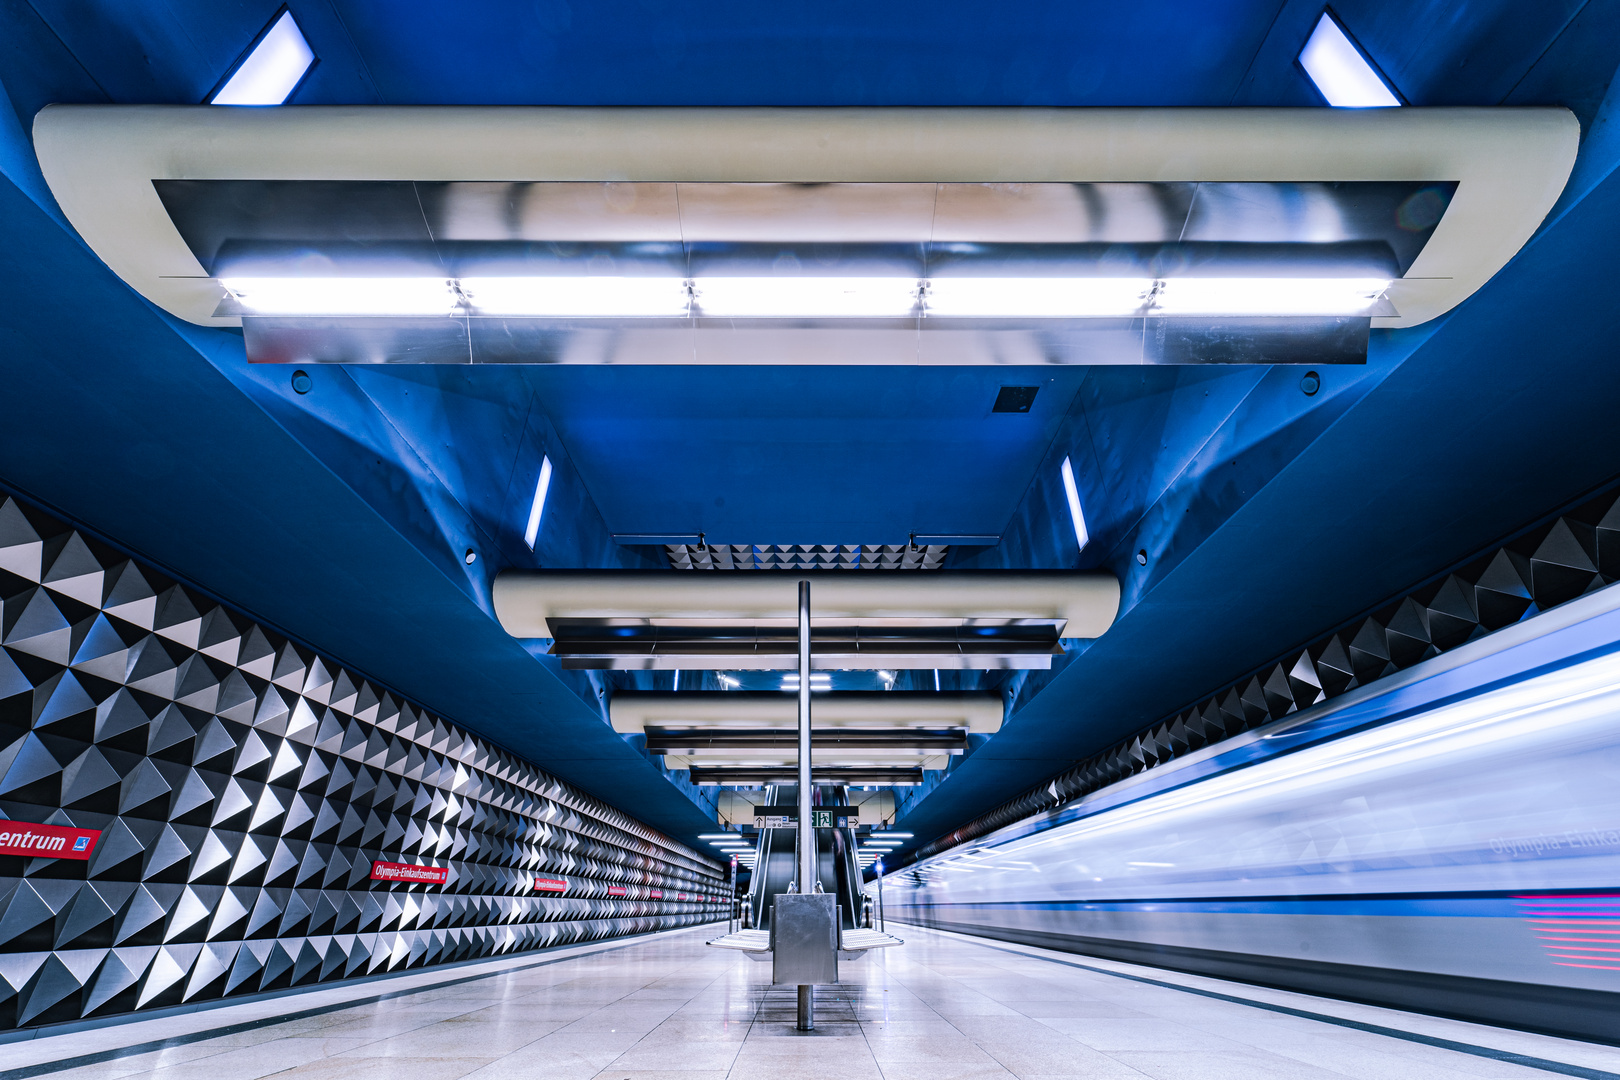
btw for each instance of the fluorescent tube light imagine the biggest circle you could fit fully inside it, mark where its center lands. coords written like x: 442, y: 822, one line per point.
x: 273, y: 70
x: 531, y: 531
x: 1076, y: 514
x: 1033, y: 298
x: 342, y: 295
x: 1037, y: 298
x: 578, y: 297
x: 1088, y: 298
x: 887, y: 835
x: 1340, y: 71
x: 720, y: 836
x: 806, y: 297
x: 1268, y: 296
x: 817, y: 682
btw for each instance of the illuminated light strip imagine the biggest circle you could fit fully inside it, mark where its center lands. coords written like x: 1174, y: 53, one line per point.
x: 343, y: 296
x: 578, y: 297
x: 810, y: 298
x: 806, y: 297
x: 1076, y: 514
x: 1037, y: 298
x: 531, y: 531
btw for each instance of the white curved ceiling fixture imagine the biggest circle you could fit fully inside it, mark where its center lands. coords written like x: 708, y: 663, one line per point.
x: 1014, y: 236
x: 656, y: 620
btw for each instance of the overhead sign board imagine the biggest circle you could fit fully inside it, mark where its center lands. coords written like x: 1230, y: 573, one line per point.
x: 46, y: 841
x: 394, y: 871
x: 839, y: 817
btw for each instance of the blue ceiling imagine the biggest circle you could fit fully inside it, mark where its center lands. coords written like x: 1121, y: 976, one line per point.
x: 1267, y: 515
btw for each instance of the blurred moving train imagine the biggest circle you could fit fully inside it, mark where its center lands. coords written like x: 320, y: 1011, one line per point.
x: 1445, y: 839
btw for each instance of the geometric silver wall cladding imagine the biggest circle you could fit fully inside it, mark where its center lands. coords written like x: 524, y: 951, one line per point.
x: 243, y: 787
x: 1550, y: 564
x: 806, y: 556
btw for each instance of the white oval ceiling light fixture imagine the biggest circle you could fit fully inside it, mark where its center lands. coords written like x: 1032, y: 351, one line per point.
x: 1411, y: 211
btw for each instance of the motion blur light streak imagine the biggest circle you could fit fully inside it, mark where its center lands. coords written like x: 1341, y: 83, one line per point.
x: 273, y: 70
x: 1472, y: 841
x: 1339, y: 70
x: 1576, y: 927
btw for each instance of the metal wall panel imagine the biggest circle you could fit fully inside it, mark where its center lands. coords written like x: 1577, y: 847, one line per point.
x: 243, y: 786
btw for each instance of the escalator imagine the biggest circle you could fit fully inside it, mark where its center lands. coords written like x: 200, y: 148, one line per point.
x: 776, y: 870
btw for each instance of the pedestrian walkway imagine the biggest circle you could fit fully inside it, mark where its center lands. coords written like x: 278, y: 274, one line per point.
x: 942, y: 1007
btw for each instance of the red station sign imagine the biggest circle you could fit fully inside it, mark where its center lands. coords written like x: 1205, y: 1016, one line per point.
x: 656, y: 894
x: 550, y: 884
x: 617, y: 890
x: 46, y: 841
x: 394, y: 871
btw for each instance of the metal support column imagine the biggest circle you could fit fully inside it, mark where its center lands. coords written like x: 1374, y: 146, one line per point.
x: 807, y: 834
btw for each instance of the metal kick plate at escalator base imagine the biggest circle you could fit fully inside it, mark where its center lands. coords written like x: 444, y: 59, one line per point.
x: 804, y: 939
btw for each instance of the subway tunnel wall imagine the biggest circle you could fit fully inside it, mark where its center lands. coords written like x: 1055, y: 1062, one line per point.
x: 243, y: 787
x: 1445, y: 839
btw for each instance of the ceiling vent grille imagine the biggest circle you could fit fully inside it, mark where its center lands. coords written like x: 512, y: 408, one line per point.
x: 806, y: 556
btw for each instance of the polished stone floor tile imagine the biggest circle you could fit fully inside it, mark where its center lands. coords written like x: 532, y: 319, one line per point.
x: 942, y: 1007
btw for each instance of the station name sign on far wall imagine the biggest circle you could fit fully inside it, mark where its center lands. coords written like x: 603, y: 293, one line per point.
x: 46, y: 841
x: 394, y: 871
x: 839, y: 817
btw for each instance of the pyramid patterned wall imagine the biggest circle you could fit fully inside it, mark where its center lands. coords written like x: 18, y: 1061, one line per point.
x: 243, y: 786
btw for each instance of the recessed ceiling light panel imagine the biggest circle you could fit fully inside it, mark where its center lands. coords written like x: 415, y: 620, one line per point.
x: 1339, y: 70
x: 272, y: 70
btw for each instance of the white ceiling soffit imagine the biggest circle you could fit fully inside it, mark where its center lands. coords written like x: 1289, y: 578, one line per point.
x: 101, y: 160
x: 1083, y: 603
x: 635, y: 711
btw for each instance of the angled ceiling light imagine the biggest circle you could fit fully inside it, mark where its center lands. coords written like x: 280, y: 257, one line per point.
x: 818, y: 681
x: 342, y: 295
x: 1340, y: 71
x: 273, y: 68
x: 805, y: 297
x: 577, y: 297
x: 531, y: 531
x: 1076, y: 514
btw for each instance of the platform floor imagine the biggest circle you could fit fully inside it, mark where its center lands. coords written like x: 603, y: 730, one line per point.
x: 942, y: 1007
